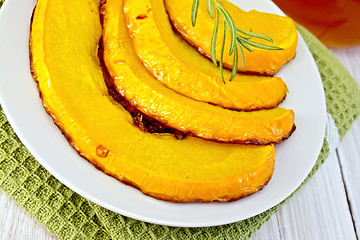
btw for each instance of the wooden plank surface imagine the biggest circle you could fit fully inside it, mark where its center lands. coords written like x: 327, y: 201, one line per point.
x: 17, y: 224
x: 349, y: 159
x: 327, y: 207
x: 349, y: 149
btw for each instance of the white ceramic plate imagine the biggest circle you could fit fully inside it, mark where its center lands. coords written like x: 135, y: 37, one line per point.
x: 20, y: 100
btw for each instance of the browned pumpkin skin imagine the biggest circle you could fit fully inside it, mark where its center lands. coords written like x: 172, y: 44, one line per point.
x: 63, y: 48
x: 200, y: 119
x: 281, y: 29
x: 178, y: 66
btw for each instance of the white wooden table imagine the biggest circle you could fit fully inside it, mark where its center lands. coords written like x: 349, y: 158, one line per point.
x: 327, y: 207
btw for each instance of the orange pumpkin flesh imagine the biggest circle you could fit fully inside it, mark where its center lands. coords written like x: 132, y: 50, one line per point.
x: 281, y: 29
x: 63, y: 48
x: 158, y: 48
x: 203, y: 120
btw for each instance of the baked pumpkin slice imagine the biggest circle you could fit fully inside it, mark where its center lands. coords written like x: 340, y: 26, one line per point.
x: 63, y: 45
x: 281, y: 29
x: 151, y: 97
x: 180, y: 67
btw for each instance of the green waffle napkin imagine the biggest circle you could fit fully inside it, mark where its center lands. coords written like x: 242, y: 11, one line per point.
x: 71, y: 216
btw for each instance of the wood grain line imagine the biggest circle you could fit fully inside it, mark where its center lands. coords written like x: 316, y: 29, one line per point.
x: 347, y: 194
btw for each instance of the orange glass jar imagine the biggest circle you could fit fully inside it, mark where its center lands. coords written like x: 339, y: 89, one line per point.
x: 335, y: 22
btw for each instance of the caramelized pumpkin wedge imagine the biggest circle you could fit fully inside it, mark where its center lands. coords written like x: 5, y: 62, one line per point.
x: 151, y: 97
x: 281, y: 29
x: 63, y: 45
x: 157, y: 46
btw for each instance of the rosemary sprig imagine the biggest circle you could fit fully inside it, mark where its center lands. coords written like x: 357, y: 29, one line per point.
x: 239, y: 39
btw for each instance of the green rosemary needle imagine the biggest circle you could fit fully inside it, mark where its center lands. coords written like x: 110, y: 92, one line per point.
x: 239, y: 39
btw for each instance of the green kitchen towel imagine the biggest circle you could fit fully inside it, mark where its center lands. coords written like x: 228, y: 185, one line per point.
x: 71, y: 216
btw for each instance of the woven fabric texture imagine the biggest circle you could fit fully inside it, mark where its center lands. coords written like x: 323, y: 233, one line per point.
x: 71, y: 216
